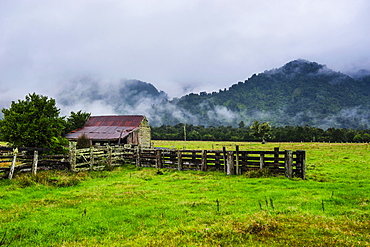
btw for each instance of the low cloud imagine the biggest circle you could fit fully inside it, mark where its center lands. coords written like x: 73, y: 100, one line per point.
x: 355, y: 117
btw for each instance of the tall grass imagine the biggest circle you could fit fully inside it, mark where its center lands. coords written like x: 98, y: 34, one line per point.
x: 129, y: 206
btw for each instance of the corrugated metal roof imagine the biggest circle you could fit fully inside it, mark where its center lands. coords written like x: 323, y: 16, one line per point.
x: 127, y: 121
x: 102, y: 132
x: 108, y: 127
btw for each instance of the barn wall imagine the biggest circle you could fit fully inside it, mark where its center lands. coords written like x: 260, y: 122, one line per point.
x: 144, y: 134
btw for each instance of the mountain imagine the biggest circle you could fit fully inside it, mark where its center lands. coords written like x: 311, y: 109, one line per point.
x: 299, y: 93
x: 123, y: 97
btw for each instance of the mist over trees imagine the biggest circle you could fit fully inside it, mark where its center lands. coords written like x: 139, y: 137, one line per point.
x: 302, y: 101
x: 299, y: 93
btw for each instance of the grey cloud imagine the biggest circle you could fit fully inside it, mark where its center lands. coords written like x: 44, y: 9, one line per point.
x: 201, y: 45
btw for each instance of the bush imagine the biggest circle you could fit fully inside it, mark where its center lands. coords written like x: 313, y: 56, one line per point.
x: 83, y: 141
x: 262, y: 173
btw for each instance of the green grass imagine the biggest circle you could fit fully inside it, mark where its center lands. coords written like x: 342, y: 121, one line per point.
x: 139, y: 207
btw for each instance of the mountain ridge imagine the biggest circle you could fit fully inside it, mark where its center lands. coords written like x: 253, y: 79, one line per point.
x: 298, y: 93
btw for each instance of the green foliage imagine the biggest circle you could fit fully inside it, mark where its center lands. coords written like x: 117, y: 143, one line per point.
x: 277, y: 134
x: 261, y: 173
x: 200, y: 133
x: 59, y: 145
x: 362, y: 137
x: 33, y: 122
x: 261, y: 130
x: 76, y: 120
x: 299, y: 93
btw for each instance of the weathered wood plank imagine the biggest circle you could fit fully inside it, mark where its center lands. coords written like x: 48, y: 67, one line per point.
x: 34, y: 163
x: 230, y: 163
x: 204, y: 160
x: 237, y: 160
x: 11, y: 172
x: 288, y: 163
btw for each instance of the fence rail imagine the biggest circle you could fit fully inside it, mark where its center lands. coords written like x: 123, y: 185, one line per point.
x: 287, y: 162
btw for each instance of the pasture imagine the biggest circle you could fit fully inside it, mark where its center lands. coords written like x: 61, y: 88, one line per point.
x: 131, y: 206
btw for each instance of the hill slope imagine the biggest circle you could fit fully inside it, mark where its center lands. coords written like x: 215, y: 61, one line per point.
x: 299, y: 93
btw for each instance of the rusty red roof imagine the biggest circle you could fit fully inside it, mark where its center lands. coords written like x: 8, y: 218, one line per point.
x: 108, y: 127
x: 126, y: 120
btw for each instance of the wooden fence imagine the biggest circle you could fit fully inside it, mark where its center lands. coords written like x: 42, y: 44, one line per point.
x: 287, y: 162
x: 29, y: 160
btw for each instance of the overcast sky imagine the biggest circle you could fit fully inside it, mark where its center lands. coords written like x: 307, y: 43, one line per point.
x: 180, y: 46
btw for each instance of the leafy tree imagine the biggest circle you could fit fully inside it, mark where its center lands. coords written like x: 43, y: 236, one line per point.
x: 362, y: 137
x: 33, y: 122
x: 261, y: 130
x: 76, y: 121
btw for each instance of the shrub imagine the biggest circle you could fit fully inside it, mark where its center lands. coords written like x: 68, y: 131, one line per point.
x: 261, y: 173
x: 83, y: 141
x: 51, y: 178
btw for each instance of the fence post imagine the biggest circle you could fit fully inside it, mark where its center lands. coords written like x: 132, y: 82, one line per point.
x: 138, y: 156
x: 194, y: 160
x: 34, y: 163
x: 173, y: 157
x: 110, y: 156
x: 288, y: 163
x: 158, y: 157
x: 262, y: 161
x: 91, y: 158
x: 276, y: 156
x: 230, y: 163
x: 72, y: 155
x: 12, y: 167
x: 225, y: 159
x: 204, y: 160
x: 179, y: 160
x: 301, y: 159
x: 237, y: 160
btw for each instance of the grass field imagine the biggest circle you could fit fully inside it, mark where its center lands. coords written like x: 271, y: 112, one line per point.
x: 140, y: 207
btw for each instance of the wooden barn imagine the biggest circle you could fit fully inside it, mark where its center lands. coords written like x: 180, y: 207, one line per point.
x: 132, y: 129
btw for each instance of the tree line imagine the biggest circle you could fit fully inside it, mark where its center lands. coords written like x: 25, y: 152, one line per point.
x: 306, y: 133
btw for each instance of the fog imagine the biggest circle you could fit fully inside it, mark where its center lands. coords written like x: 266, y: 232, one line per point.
x: 178, y: 46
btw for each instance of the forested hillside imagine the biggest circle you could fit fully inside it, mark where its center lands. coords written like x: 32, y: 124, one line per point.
x: 299, y: 93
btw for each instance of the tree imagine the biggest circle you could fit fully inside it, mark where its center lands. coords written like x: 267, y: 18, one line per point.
x: 33, y: 122
x: 261, y: 130
x: 76, y: 121
x: 362, y: 137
